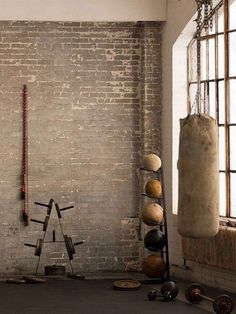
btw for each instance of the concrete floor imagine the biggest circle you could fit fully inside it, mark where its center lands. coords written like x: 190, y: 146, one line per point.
x: 95, y: 294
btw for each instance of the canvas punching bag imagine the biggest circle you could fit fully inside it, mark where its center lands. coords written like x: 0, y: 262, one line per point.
x: 198, y: 203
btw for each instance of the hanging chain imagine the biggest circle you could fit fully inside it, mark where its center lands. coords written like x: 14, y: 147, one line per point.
x: 206, y: 6
x: 199, y: 22
x: 205, y: 17
x: 211, y: 18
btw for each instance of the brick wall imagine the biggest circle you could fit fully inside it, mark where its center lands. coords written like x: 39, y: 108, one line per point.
x: 93, y: 92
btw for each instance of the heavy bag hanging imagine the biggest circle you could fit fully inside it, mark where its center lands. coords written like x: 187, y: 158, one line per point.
x: 198, y: 204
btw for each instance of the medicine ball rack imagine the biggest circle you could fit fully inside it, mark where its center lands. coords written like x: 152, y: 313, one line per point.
x: 161, y: 226
x: 67, y: 240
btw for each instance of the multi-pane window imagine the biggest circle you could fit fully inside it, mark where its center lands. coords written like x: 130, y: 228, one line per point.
x: 218, y: 91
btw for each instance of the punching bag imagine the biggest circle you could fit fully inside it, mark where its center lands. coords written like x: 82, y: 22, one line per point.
x: 198, y: 202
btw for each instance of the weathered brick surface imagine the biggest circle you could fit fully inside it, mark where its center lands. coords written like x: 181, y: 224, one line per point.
x: 94, y: 103
x: 151, y: 86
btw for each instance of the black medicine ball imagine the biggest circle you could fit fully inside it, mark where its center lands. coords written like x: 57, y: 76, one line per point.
x: 154, y: 240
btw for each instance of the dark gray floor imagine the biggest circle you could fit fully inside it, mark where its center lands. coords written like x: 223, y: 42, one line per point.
x: 70, y: 296
x: 93, y: 295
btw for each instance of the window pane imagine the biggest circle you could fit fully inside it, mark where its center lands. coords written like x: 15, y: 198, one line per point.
x: 221, y: 102
x: 232, y: 14
x: 222, y: 195
x: 220, y: 19
x: 233, y: 194
x: 221, y: 56
x: 203, y: 60
x: 221, y: 148
x: 232, y: 134
x: 232, y: 54
x: 211, y: 58
x: 212, y: 111
x: 203, y: 98
x: 192, y: 94
x: 192, y: 55
x: 232, y: 101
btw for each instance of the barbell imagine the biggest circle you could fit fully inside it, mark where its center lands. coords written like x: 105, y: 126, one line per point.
x: 195, y: 294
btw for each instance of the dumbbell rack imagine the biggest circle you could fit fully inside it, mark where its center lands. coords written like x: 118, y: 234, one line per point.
x: 162, y: 226
x: 66, y: 239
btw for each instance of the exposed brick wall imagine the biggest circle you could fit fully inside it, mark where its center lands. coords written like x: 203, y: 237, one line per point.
x: 85, y: 136
x: 151, y: 87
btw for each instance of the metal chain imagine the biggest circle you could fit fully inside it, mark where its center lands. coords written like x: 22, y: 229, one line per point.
x: 205, y: 16
x: 201, y: 4
x: 211, y: 18
x: 198, y: 94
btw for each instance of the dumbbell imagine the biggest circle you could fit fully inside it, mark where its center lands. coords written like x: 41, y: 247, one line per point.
x: 169, y: 292
x: 195, y: 294
x: 38, y: 247
x: 44, y: 223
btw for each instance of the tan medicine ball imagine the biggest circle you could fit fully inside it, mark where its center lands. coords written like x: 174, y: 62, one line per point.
x: 154, y: 266
x: 152, y: 214
x: 153, y: 188
x: 152, y: 162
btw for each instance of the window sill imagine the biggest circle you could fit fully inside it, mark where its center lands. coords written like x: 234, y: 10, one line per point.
x: 229, y: 222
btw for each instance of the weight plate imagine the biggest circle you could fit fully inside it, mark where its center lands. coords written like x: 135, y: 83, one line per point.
x: 50, y: 206
x: 39, y: 246
x: 68, y: 247
x: 169, y: 290
x: 45, y: 225
x: 55, y: 270
x: 71, y: 245
x: 14, y: 280
x: 192, y: 293
x: 126, y: 284
x: 223, y: 304
x: 75, y: 276
x: 33, y: 279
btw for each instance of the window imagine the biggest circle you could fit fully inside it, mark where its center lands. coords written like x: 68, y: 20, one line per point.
x: 218, y: 88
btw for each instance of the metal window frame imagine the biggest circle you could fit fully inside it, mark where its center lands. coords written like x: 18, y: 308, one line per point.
x: 226, y: 79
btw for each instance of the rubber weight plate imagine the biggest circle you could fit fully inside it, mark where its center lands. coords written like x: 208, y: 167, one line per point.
x: 223, y: 304
x: 55, y: 270
x: 126, y: 285
x: 69, y: 248
x: 192, y: 293
x: 33, y: 279
x: 169, y: 290
x: 39, y: 246
x: 71, y: 245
